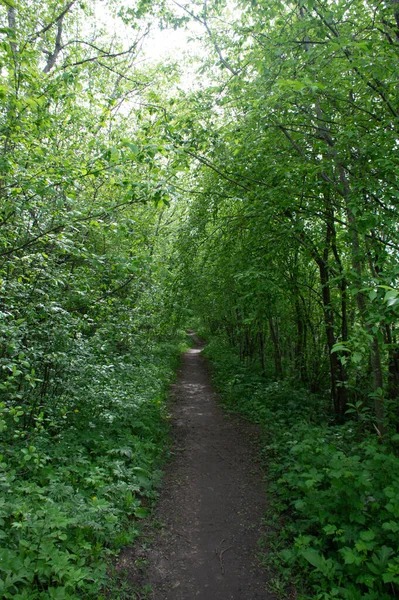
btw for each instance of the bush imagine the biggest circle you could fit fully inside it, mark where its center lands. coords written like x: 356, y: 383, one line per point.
x: 335, y: 496
x: 74, y: 486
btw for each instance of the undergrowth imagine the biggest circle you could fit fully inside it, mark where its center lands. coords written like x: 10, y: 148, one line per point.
x: 74, y: 486
x: 334, y: 490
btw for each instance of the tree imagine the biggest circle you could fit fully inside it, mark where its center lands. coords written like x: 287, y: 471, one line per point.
x: 306, y: 124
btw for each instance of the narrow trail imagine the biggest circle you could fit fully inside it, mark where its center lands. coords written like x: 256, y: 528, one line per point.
x: 212, y: 501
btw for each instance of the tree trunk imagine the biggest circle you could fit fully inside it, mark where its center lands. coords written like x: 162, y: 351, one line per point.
x: 338, y: 391
x: 299, y: 359
x: 278, y: 369
x: 262, y: 352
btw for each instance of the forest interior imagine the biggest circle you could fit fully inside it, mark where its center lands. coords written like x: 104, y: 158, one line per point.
x: 247, y: 188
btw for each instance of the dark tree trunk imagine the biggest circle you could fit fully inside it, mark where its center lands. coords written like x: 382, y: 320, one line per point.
x: 262, y: 352
x: 338, y: 391
x: 300, y: 349
x: 278, y: 369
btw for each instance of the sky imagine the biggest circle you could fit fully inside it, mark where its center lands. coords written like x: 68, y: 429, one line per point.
x: 159, y: 44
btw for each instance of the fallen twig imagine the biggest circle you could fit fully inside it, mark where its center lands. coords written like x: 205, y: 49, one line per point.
x: 219, y: 553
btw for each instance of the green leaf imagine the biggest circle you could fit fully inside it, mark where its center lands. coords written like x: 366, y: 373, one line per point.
x: 340, y: 347
x: 141, y: 512
x: 391, y: 294
x: 8, y: 3
x: 368, y: 535
x: 356, y: 357
x: 349, y: 556
x: 330, y: 529
x: 314, y: 559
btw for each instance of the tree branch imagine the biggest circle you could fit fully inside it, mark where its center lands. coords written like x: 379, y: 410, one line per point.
x: 100, y: 56
x: 57, y: 48
x: 12, y: 26
x: 204, y: 22
x: 50, y: 25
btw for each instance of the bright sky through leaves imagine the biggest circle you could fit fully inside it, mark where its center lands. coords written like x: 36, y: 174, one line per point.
x: 158, y: 45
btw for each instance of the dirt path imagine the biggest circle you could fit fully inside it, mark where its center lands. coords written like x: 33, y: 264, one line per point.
x: 212, y: 502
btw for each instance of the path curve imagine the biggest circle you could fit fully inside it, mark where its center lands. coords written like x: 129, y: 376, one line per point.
x: 212, y: 501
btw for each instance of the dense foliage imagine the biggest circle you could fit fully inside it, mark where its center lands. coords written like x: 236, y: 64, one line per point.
x: 262, y: 203
x: 292, y: 226
x: 87, y: 348
x: 73, y: 489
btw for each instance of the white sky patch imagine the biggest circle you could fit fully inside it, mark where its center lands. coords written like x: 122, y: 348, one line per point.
x: 170, y: 43
x: 179, y: 45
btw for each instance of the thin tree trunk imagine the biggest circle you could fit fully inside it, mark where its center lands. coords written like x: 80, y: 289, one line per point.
x: 338, y: 391
x: 278, y: 369
x: 299, y: 358
x: 262, y: 352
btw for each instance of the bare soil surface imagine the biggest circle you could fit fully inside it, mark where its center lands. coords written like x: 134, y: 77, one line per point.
x: 212, y: 501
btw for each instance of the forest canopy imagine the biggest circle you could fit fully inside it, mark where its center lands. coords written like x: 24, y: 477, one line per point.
x: 251, y: 191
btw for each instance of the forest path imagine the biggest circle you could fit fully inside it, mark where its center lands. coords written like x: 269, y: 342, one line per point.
x: 212, y: 501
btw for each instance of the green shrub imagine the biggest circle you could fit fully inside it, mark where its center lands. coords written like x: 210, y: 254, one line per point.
x: 334, y: 496
x: 74, y: 486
